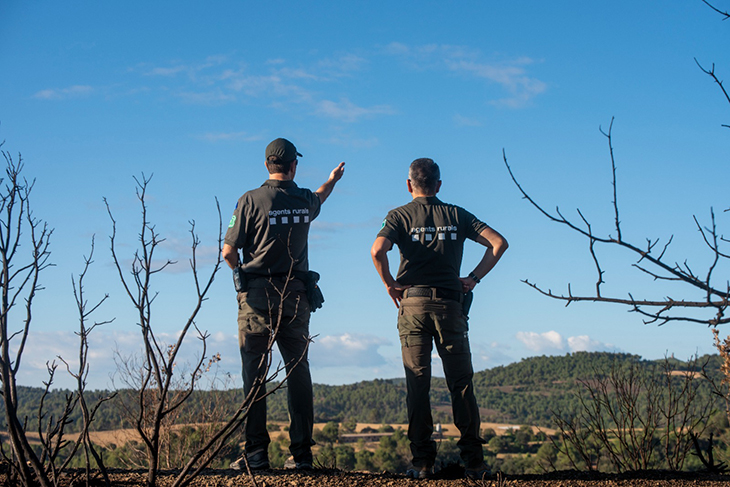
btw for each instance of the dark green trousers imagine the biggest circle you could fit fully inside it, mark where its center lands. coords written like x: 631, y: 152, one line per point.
x: 423, y: 321
x: 258, y: 314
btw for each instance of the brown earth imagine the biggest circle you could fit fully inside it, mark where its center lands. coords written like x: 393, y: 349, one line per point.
x: 335, y: 478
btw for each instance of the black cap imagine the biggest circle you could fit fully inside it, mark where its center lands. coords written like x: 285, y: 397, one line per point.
x: 283, y: 149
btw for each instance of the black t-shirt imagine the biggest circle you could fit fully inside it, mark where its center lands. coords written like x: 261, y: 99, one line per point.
x: 430, y: 235
x: 270, y: 223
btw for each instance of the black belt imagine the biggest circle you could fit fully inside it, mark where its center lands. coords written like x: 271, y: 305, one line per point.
x: 434, y: 293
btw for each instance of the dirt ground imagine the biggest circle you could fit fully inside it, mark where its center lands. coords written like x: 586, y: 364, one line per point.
x: 335, y: 478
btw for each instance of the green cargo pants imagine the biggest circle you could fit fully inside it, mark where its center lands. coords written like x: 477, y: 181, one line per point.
x: 258, y: 312
x: 422, y: 321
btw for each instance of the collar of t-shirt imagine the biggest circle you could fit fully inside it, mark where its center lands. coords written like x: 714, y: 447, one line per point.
x: 427, y: 200
x: 275, y: 183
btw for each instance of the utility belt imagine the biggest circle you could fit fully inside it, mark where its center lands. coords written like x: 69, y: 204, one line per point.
x: 433, y: 293
x: 309, y: 278
x: 440, y: 293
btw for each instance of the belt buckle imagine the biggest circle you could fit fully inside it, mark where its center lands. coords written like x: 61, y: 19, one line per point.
x: 420, y: 292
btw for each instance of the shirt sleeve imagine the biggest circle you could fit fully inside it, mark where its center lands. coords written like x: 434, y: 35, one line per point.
x: 314, y: 204
x: 474, y: 226
x: 390, y: 227
x: 235, y: 233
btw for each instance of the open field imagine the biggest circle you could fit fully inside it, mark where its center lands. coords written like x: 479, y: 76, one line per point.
x: 121, y: 436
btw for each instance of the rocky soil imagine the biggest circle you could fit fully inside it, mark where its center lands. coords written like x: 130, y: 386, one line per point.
x: 335, y: 478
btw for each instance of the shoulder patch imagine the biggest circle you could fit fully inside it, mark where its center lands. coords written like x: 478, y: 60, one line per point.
x: 232, y: 222
x: 383, y: 225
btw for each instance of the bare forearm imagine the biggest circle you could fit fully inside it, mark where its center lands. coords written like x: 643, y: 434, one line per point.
x: 496, y: 244
x: 379, y: 253
x: 326, y: 189
x: 382, y: 266
x: 230, y: 255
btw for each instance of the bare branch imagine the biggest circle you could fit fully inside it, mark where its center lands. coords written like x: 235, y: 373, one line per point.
x: 726, y: 15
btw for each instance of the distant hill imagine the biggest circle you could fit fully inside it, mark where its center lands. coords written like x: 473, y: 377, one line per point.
x: 525, y: 392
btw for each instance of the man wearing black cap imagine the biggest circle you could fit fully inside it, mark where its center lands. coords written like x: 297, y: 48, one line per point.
x: 270, y: 225
x: 431, y: 298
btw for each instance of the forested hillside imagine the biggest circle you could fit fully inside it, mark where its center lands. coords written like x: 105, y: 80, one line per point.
x: 520, y: 393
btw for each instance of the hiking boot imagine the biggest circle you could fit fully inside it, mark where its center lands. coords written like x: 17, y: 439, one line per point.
x: 480, y: 472
x: 303, y: 465
x: 419, y: 472
x: 257, y: 460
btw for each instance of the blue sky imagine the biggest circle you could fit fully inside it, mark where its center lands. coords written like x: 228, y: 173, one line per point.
x: 94, y: 93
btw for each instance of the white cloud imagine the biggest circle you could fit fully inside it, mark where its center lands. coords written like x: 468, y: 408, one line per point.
x: 540, y: 342
x: 347, y: 111
x: 348, y: 349
x: 552, y: 341
x: 106, y: 346
x: 192, y: 70
x: 584, y: 343
x: 63, y: 93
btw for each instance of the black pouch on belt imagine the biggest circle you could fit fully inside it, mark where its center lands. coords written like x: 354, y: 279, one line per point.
x: 314, y: 293
x: 466, y: 304
x: 239, y: 280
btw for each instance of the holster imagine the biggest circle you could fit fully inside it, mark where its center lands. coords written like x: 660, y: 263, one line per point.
x: 314, y: 293
x: 466, y: 303
x: 239, y: 280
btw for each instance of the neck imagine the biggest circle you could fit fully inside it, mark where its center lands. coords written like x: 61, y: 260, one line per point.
x: 281, y: 177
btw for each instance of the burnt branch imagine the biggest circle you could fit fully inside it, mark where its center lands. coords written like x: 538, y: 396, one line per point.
x: 160, y: 389
x: 647, y: 261
x: 724, y: 14
x: 24, y: 254
x: 711, y: 73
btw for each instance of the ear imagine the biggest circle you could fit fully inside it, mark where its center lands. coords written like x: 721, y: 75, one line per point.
x: 293, y: 169
x: 438, y: 186
x: 410, y: 186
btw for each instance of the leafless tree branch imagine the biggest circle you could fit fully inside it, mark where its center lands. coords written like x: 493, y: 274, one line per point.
x: 664, y: 310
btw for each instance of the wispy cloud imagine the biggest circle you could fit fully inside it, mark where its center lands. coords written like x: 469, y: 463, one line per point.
x: 278, y: 82
x: 63, y: 93
x: 511, y: 75
x: 346, y: 111
x: 192, y: 70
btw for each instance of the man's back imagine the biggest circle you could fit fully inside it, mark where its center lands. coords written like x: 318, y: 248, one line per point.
x: 271, y: 227
x: 430, y: 235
